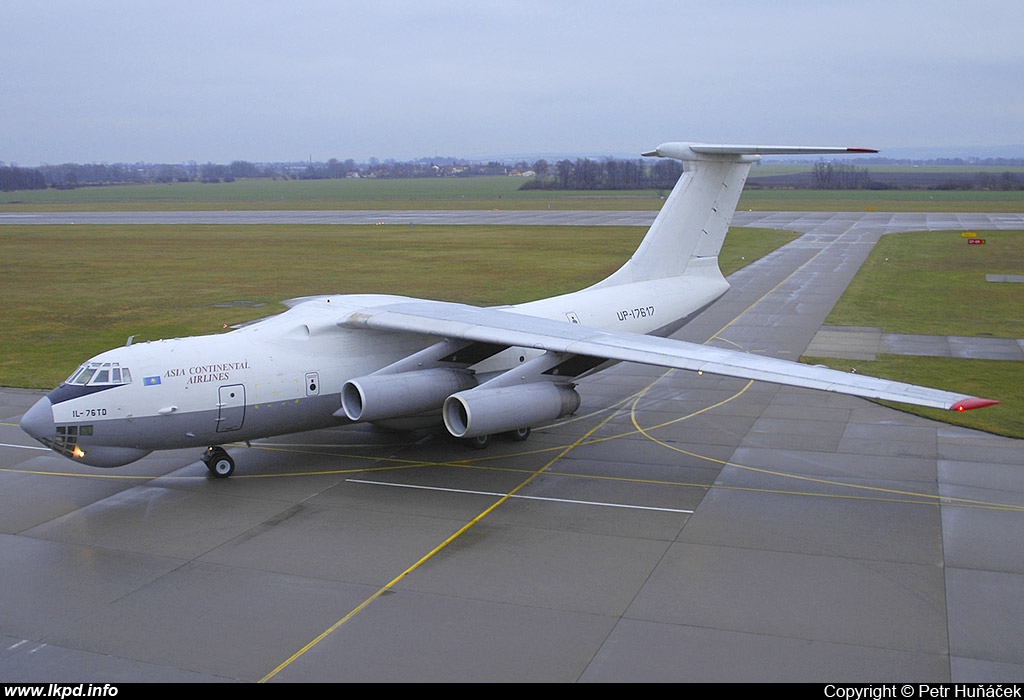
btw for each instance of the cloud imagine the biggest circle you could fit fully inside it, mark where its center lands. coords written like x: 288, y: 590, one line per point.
x: 122, y: 81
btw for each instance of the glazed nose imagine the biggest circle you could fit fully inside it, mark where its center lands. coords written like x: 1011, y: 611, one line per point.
x: 38, y: 422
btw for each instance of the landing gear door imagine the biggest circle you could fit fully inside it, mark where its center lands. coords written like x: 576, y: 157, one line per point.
x: 231, y: 408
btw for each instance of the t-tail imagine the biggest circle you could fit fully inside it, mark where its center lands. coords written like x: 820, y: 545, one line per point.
x: 692, y: 224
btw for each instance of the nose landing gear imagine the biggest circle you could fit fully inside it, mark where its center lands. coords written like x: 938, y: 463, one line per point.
x: 219, y: 462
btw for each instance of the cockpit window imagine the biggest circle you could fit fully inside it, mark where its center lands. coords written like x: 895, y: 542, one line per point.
x: 83, y: 375
x: 100, y: 374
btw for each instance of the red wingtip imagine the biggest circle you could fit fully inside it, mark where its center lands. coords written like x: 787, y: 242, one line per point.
x: 971, y: 404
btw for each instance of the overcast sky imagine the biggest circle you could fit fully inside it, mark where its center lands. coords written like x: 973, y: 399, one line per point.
x: 222, y: 80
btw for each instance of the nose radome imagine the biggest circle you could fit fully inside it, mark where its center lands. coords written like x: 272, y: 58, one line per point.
x: 38, y: 422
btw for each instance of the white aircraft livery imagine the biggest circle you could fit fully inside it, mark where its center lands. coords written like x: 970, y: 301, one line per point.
x: 409, y: 363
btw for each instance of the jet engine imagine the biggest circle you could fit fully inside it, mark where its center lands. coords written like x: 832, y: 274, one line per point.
x: 488, y: 411
x: 381, y: 396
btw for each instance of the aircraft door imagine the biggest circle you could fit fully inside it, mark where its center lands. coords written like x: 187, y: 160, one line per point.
x: 231, y: 408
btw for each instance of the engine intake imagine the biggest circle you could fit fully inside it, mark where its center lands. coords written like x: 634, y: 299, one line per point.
x: 489, y: 411
x: 381, y: 396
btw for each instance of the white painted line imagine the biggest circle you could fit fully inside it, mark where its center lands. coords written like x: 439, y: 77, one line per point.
x: 25, y: 447
x: 528, y: 498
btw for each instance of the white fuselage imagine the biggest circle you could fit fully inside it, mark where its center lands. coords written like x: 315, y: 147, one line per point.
x: 285, y: 374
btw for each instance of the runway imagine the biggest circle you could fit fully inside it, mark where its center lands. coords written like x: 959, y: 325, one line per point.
x: 802, y: 221
x: 678, y: 528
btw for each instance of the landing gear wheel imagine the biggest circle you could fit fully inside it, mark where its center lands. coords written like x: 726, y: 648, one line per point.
x: 219, y: 462
x: 480, y: 442
x: 519, y: 435
x: 222, y: 467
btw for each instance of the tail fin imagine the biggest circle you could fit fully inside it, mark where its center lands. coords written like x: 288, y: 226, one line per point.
x: 695, y: 218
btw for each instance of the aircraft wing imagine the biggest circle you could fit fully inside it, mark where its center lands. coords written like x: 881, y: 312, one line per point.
x: 495, y: 326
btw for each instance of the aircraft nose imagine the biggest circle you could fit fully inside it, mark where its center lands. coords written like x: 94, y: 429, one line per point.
x: 38, y: 421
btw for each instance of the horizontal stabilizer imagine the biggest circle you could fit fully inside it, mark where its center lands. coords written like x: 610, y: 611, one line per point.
x: 692, y: 151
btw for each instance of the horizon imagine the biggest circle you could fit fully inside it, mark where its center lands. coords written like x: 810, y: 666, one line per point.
x: 923, y: 154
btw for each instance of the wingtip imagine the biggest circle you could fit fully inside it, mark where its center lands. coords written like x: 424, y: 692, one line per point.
x: 971, y: 404
x: 862, y: 150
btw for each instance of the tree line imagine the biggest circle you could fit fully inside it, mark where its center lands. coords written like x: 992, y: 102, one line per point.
x: 607, y: 174
x: 565, y: 174
x: 840, y: 176
x: 21, y: 179
x: 72, y: 175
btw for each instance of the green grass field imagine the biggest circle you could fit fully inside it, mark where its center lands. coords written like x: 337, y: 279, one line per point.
x: 885, y: 200
x: 467, y: 193
x: 268, y: 195
x: 73, y: 291
x: 933, y: 283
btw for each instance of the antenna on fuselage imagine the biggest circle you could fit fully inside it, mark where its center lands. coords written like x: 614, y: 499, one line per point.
x: 131, y: 339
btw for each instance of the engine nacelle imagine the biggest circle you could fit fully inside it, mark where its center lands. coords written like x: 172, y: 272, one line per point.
x: 381, y: 396
x: 488, y: 411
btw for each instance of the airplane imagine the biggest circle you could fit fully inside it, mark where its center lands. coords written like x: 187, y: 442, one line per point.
x: 405, y: 363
